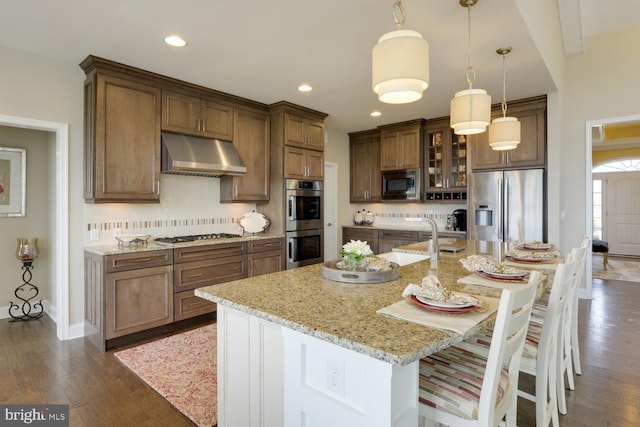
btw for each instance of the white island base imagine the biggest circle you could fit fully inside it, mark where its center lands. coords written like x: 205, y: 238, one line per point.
x: 273, y: 376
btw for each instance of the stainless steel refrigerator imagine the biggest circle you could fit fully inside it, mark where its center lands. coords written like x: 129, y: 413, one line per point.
x: 507, y: 205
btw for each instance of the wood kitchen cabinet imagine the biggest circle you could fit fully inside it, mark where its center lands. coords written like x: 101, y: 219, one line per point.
x: 266, y: 256
x: 531, y: 152
x: 198, y: 266
x: 401, y: 145
x: 445, y: 169
x: 198, y: 116
x: 121, y: 135
x: 364, y: 160
x: 303, y: 132
x: 300, y: 163
x: 369, y: 235
x: 389, y: 239
x: 127, y: 293
x: 252, y: 139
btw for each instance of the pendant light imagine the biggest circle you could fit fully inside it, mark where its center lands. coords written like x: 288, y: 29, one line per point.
x: 504, y: 132
x: 470, y: 108
x: 400, y: 63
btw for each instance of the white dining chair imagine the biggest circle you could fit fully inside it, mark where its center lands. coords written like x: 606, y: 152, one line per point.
x: 568, y: 351
x: 540, y: 357
x: 462, y: 388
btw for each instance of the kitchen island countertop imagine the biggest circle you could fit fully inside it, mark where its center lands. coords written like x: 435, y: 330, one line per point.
x: 344, y: 314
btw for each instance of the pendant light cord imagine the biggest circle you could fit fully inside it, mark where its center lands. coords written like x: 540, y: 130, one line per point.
x: 397, y: 7
x: 504, y: 86
x: 469, y: 73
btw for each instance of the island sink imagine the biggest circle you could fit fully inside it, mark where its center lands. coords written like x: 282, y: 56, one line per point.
x: 403, y: 258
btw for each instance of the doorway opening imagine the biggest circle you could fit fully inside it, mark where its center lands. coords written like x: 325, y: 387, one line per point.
x: 60, y: 251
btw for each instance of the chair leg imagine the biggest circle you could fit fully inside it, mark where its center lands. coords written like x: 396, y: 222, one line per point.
x: 575, y: 347
x: 606, y: 260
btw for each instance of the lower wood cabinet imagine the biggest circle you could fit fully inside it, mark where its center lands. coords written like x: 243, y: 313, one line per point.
x: 389, y: 239
x: 369, y: 235
x: 134, y: 292
x: 127, y: 293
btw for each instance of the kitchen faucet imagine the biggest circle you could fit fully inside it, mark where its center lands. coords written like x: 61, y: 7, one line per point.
x: 434, y: 235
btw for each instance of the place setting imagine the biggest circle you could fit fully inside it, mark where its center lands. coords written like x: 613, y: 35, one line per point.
x: 543, y: 255
x: 488, y: 271
x: 431, y: 304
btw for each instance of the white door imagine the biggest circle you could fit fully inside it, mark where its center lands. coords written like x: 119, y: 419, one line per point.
x: 621, y: 211
x: 330, y: 210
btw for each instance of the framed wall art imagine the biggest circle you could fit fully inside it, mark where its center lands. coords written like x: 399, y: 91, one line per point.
x: 13, y: 172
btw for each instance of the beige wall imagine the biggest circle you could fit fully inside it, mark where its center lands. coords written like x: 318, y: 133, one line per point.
x: 37, y: 87
x: 601, y: 84
x: 34, y: 224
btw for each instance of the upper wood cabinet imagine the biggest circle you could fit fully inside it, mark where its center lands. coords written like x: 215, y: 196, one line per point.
x: 364, y: 160
x: 121, y: 136
x: 445, y: 169
x: 252, y: 140
x: 303, y: 132
x: 197, y: 116
x: 532, y: 114
x: 400, y: 145
x: 300, y: 163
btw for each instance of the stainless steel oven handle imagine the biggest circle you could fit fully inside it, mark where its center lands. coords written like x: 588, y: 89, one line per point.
x: 290, y: 255
x: 291, y: 202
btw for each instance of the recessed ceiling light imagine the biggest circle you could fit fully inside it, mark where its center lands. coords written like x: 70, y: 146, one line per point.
x: 376, y: 113
x: 304, y: 88
x: 176, y: 41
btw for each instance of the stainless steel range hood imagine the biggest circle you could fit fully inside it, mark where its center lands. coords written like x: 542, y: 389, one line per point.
x: 190, y: 155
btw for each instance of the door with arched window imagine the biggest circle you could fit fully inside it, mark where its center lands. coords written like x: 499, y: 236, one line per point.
x: 616, y: 205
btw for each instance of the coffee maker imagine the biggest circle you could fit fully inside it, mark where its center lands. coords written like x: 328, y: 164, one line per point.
x: 460, y: 220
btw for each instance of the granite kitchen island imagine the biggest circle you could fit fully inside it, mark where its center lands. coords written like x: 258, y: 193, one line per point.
x: 297, y: 349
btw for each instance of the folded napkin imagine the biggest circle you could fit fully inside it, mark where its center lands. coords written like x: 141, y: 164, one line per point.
x: 478, y: 262
x: 431, y: 288
x: 460, y: 323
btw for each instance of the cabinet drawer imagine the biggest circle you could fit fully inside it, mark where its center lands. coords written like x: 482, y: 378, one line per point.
x: 186, y: 305
x: 198, y: 253
x: 265, y: 245
x: 196, y: 274
x: 137, y: 260
x: 398, y: 235
x: 358, y: 234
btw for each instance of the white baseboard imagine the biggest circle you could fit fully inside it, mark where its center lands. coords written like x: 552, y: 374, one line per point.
x: 75, y: 331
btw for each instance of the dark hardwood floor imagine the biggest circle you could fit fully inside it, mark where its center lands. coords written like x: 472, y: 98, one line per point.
x: 37, y: 368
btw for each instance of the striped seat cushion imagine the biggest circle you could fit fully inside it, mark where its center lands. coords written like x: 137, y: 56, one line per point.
x: 451, y: 380
x: 534, y: 331
x: 540, y: 308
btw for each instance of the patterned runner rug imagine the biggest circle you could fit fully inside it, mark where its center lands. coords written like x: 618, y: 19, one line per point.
x: 182, y: 368
x: 626, y: 269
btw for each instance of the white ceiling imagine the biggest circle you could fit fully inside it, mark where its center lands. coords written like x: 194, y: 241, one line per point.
x: 263, y: 50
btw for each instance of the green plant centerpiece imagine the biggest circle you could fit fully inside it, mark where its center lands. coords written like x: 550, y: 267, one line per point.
x: 354, y: 255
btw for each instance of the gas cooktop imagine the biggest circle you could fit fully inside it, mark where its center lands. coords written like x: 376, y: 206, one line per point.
x: 195, y: 237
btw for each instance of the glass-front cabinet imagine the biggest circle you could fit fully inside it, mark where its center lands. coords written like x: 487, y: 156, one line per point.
x: 445, y: 175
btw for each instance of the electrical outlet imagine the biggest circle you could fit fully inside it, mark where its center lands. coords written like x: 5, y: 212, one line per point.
x: 116, y: 232
x: 335, y: 377
x: 94, y: 234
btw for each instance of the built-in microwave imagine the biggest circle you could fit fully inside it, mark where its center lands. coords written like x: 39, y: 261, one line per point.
x: 303, y: 205
x: 401, y: 184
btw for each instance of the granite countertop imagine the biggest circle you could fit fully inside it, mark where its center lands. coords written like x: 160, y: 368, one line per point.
x: 114, y: 248
x: 345, y: 313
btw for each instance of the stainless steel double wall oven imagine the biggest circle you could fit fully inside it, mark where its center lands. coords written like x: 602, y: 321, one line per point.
x: 304, y: 223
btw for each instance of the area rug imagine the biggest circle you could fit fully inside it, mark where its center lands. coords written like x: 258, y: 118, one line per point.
x: 624, y: 269
x: 182, y: 368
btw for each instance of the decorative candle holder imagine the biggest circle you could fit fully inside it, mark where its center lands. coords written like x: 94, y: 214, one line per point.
x: 26, y: 252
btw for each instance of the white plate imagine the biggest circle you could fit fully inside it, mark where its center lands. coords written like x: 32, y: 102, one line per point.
x: 253, y: 222
x: 442, y: 304
x: 509, y: 272
x: 537, y: 246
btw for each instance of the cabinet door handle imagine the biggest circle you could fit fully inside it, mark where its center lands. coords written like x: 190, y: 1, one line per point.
x: 191, y: 276
x: 235, y: 190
